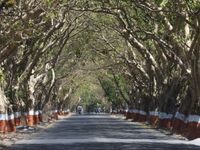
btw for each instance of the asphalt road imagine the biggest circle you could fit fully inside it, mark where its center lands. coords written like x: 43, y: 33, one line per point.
x: 101, y: 132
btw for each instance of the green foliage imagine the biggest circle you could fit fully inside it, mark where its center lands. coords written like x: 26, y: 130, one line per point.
x: 161, y: 3
x: 8, y: 93
x: 194, y: 5
x: 10, y: 3
x: 164, y: 3
x: 90, y: 98
x: 20, y: 93
x: 110, y: 90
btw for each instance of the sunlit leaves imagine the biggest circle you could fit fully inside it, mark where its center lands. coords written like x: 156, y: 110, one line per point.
x: 164, y: 3
x: 194, y: 5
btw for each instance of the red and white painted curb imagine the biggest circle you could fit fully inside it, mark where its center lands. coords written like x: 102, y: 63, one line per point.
x: 188, y: 126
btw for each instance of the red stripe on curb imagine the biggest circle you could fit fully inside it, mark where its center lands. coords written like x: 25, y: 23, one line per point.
x: 10, y: 126
x: 165, y: 123
x: 17, y: 121
x: 2, y: 126
x: 154, y: 120
x: 29, y: 120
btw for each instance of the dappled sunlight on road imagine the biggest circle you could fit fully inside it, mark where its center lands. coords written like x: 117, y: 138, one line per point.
x: 99, y: 132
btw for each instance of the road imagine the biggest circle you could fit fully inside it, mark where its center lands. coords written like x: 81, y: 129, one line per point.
x: 101, y: 132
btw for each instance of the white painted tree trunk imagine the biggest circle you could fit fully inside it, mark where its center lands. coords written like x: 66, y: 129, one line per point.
x: 32, y: 82
x: 3, y: 101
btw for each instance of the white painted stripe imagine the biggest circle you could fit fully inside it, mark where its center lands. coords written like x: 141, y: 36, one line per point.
x: 141, y: 112
x: 180, y: 116
x: 154, y: 113
x: 17, y: 114
x: 163, y: 115
x: 136, y: 111
x: 6, y: 116
x: 36, y: 112
x: 133, y: 110
x: 11, y: 117
x: 193, y: 118
x: 100, y: 140
x: 31, y: 112
x: 2, y: 116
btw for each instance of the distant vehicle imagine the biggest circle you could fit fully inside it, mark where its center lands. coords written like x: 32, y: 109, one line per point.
x: 98, y: 110
x: 80, y: 110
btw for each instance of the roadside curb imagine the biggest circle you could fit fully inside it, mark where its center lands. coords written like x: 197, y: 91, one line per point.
x: 148, y: 126
x: 8, y: 139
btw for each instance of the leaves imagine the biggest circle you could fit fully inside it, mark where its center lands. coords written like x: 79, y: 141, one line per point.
x: 164, y: 3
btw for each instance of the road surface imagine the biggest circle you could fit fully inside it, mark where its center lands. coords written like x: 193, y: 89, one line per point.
x: 101, y: 132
